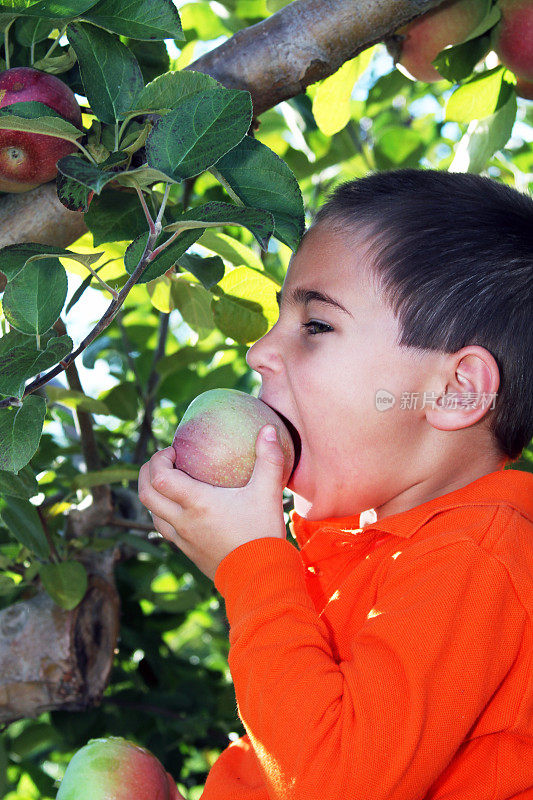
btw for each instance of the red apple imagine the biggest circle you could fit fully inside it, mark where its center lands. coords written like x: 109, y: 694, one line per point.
x: 113, y: 768
x: 514, y: 38
x: 215, y: 440
x: 29, y: 159
x: 450, y: 23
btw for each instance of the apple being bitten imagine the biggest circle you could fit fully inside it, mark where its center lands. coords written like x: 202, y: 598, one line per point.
x: 29, y: 159
x: 215, y: 440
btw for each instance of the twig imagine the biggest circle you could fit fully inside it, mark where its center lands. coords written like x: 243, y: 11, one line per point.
x: 126, y: 344
x: 153, y: 380
x: 53, y: 551
x: 55, y: 42
x: 119, y: 522
x: 162, y: 207
x: 146, y: 210
x: 6, y: 43
x: 107, y: 318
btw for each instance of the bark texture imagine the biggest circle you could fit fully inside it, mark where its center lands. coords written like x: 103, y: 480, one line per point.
x: 52, y: 658
x: 274, y: 60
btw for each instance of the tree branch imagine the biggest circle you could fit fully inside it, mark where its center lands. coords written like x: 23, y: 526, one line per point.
x: 146, y: 427
x: 274, y: 60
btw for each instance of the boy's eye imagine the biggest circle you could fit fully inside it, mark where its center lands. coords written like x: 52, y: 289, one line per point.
x: 314, y: 324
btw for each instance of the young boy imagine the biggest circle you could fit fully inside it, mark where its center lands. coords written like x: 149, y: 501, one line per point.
x: 390, y: 655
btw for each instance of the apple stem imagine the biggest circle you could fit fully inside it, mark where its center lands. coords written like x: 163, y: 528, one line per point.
x: 151, y: 223
x: 32, y: 54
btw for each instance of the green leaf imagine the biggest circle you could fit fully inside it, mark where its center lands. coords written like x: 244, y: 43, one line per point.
x: 479, y: 98
x: 22, y: 520
x: 23, y: 485
x: 47, y: 126
x: 166, y: 91
x: 194, y: 304
x: 138, y: 19
x: 110, y: 74
x: 114, y: 474
x: 73, y: 399
x: 208, y: 270
x: 457, y: 63
x: 34, y: 298
x: 31, y: 30
x: 259, y: 223
x: 165, y: 260
x: 66, y: 582
x: 332, y: 101
x: 262, y: 180
x: 230, y: 249
x: 483, y: 138
x: 114, y: 217
x: 31, y: 109
x: 122, y: 401
x: 398, y: 146
x: 248, y: 307
x: 89, y: 175
x: 200, y: 129
x: 73, y: 195
x: 20, y: 359
x: 142, y: 177
x: 48, y: 9
x: 14, y: 257
x: 20, y: 432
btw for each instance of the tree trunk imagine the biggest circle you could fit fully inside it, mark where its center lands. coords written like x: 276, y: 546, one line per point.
x: 52, y: 658
x: 274, y: 60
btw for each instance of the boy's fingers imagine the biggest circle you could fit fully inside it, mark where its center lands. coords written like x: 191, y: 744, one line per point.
x: 172, y: 482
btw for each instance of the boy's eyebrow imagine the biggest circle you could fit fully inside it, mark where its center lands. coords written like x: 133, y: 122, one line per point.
x: 302, y: 297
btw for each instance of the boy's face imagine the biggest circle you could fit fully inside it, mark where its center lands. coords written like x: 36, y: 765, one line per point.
x: 357, y: 451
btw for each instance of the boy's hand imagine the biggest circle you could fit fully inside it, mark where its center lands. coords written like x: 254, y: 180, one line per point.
x: 208, y: 522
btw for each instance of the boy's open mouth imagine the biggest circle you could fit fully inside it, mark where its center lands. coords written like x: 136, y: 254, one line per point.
x: 295, y: 436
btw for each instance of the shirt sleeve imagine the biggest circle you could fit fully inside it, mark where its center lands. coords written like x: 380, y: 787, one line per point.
x: 385, y: 722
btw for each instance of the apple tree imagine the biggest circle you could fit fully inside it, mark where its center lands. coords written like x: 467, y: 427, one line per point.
x: 208, y: 131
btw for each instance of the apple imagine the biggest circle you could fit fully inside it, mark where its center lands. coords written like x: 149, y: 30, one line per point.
x: 29, y: 159
x: 514, y: 38
x: 113, y: 768
x: 215, y: 440
x: 450, y: 23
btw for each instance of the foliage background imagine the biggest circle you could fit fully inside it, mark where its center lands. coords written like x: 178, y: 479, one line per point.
x: 170, y: 689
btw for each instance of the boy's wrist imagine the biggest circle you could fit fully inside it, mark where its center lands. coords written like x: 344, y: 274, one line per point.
x: 259, y: 569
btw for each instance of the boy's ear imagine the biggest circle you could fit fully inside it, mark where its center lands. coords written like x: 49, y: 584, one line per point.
x: 472, y: 379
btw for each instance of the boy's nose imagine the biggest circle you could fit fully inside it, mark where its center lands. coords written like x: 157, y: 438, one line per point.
x: 262, y: 355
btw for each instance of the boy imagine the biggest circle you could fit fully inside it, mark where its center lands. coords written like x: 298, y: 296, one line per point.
x: 390, y: 657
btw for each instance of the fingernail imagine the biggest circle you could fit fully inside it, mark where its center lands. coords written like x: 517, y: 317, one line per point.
x: 270, y: 433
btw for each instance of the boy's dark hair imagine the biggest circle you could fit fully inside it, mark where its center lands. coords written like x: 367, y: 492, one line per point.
x: 453, y: 258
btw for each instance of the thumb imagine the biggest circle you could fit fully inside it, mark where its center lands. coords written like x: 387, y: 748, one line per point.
x: 270, y: 461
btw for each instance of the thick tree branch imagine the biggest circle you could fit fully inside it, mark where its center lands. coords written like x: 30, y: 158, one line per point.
x: 274, y: 60
x: 306, y: 41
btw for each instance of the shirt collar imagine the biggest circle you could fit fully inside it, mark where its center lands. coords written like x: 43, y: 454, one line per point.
x: 505, y: 486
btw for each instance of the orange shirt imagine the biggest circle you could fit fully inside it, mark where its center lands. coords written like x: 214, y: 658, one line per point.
x: 392, y: 662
